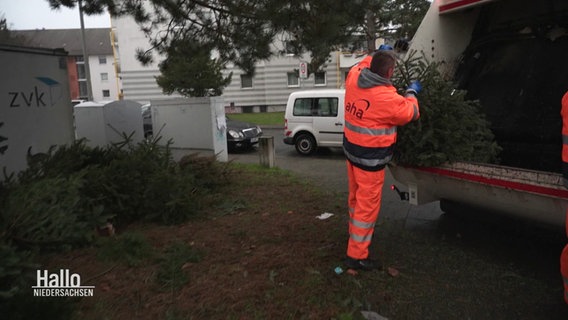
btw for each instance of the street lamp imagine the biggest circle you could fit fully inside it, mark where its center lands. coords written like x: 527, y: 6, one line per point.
x: 85, y: 56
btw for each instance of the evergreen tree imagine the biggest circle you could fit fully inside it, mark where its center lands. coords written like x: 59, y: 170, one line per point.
x: 389, y: 19
x: 406, y: 17
x: 317, y: 27
x: 242, y: 32
x: 450, y: 127
x: 190, y: 71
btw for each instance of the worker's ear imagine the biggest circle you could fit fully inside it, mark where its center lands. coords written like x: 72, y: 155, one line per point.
x: 390, y: 72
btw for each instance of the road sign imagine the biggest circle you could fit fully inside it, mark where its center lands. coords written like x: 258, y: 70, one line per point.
x: 303, y: 70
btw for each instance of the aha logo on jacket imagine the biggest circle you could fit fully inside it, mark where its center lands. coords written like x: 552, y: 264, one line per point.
x: 357, y: 108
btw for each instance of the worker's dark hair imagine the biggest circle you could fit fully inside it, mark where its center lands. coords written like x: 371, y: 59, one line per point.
x: 382, y: 61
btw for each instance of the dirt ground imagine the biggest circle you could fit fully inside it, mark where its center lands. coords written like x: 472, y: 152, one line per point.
x: 268, y: 257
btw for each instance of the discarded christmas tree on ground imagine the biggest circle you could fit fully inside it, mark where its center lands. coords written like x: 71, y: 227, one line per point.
x: 450, y: 127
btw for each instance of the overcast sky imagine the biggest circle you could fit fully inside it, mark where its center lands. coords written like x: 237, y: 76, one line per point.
x: 36, y: 14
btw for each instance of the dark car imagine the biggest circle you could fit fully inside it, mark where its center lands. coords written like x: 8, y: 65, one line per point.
x: 242, y: 135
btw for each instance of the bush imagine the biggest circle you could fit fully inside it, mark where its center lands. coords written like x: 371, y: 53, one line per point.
x: 70, y: 191
x: 17, y: 274
x: 50, y: 212
x: 88, y: 186
x: 63, y: 161
x: 144, y: 183
x: 450, y: 128
x: 16, y: 271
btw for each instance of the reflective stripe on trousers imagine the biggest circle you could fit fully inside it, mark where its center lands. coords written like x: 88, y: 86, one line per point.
x: 365, y: 190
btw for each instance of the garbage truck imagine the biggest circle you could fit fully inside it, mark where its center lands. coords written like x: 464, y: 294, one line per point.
x: 512, y: 56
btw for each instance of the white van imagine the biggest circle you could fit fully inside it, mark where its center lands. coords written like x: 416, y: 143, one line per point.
x: 314, y: 118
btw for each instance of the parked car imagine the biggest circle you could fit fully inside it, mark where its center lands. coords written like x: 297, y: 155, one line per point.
x: 242, y: 135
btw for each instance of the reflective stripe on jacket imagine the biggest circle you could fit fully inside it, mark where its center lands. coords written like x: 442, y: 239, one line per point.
x: 373, y: 110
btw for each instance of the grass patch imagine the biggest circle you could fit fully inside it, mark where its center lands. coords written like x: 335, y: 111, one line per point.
x: 177, y: 258
x: 257, y: 174
x: 260, y: 118
x: 132, y: 249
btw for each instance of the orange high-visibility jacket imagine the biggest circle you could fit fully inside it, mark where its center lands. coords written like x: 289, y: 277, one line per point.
x: 373, y: 110
x: 564, y: 114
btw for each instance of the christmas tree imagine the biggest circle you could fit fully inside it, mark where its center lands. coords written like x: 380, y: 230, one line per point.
x: 450, y: 127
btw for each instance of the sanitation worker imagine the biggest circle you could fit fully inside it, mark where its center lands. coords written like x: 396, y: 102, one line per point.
x: 564, y: 256
x: 373, y: 110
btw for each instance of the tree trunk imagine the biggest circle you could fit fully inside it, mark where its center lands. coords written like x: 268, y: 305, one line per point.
x: 371, y: 30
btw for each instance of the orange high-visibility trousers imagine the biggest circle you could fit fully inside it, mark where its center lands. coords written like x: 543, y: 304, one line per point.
x: 564, y: 264
x: 364, y: 201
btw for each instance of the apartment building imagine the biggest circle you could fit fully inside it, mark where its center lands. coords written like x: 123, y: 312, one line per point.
x: 267, y: 90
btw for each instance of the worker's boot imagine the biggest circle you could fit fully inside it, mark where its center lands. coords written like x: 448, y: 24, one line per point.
x: 362, y: 264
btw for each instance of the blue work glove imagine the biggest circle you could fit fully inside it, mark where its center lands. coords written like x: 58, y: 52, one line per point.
x: 384, y: 47
x: 415, y: 87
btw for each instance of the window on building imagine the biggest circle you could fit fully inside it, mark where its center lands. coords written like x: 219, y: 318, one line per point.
x: 106, y: 93
x: 246, y: 81
x: 316, y: 107
x: 293, y: 79
x: 104, y: 76
x: 82, y: 78
x: 319, y: 78
x: 81, y: 73
x: 288, y: 49
x: 102, y: 60
x: 83, y: 92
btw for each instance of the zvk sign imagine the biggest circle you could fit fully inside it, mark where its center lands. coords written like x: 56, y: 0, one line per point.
x: 36, y: 97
